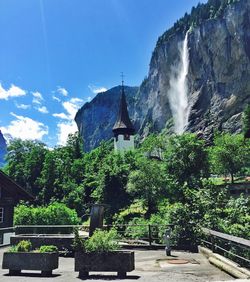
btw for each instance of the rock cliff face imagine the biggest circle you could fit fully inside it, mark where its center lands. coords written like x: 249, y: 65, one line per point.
x: 3, y: 148
x: 217, y: 83
x: 96, y: 118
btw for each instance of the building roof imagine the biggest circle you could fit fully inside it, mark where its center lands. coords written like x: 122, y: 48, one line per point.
x: 13, y: 188
x: 123, y: 123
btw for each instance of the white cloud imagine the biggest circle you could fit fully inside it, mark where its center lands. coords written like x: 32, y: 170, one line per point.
x: 62, y: 91
x: 64, y: 129
x: 56, y: 98
x: 25, y: 128
x: 89, y: 99
x: 38, y: 98
x: 43, y: 110
x: 76, y: 101
x: 22, y: 106
x: 67, y: 127
x: 71, y: 108
x: 13, y: 91
x: 97, y: 89
x: 61, y: 115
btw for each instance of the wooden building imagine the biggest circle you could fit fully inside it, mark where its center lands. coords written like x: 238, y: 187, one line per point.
x: 10, y: 194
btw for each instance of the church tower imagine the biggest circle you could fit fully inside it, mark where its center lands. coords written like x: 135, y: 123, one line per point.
x: 123, y: 129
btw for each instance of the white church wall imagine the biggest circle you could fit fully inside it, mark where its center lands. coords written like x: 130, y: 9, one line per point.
x: 122, y: 145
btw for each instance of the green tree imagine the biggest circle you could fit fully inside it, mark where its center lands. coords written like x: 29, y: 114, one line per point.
x: 48, y: 179
x: 147, y: 183
x: 229, y: 154
x: 25, y: 162
x: 186, y: 160
x: 113, y: 177
x: 246, y: 121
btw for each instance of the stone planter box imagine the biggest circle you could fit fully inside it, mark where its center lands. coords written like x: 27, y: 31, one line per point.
x: 45, y: 262
x: 62, y: 241
x: 116, y: 261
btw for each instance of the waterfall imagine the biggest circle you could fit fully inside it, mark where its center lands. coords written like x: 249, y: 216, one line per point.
x: 178, y: 90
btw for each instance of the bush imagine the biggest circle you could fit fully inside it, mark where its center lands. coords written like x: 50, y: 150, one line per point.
x: 102, y: 241
x: 137, y: 228
x: 186, y: 229
x: 78, y: 242
x: 22, y: 246
x: 48, y: 249
x: 53, y: 214
x: 13, y: 249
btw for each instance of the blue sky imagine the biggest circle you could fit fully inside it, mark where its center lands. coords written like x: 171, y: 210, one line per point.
x: 55, y: 55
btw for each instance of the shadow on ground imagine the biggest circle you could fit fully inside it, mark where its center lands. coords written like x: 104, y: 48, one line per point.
x: 109, y: 277
x: 30, y: 274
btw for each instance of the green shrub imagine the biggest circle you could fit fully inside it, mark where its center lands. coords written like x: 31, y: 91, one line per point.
x: 53, y: 214
x: 48, y: 249
x: 186, y: 229
x: 13, y: 249
x: 102, y: 241
x: 78, y: 242
x: 22, y: 246
x: 137, y: 228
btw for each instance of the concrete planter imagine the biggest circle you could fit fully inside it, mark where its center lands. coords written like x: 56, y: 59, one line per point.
x: 62, y: 241
x: 116, y: 261
x: 45, y: 262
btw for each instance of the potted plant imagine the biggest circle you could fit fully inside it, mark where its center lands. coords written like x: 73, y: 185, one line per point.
x: 101, y: 252
x: 22, y: 257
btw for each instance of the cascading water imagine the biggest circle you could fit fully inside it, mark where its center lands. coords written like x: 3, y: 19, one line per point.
x: 178, y: 90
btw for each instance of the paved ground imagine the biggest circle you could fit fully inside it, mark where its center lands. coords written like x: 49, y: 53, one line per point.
x: 151, y: 266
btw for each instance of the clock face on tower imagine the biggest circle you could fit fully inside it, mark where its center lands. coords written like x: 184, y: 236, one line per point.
x: 126, y: 137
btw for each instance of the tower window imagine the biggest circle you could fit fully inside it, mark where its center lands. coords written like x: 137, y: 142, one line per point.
x: 126, y: 137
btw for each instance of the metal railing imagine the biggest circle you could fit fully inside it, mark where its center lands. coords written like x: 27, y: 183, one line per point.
x: 236, y: 248
x: 140, y: 234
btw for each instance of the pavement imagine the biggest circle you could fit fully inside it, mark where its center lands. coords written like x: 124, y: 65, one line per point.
x: 150, y: 266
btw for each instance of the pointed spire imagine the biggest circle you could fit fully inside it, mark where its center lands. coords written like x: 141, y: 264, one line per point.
x: 123, y: 123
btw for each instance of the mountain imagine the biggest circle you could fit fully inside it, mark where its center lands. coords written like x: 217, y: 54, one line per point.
x: 3, y: 149
x: 198, y: 78
x: 96, y: 118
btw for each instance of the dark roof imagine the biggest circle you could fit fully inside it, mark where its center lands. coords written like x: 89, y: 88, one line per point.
x: 13, y: 188
x: 123, y: 122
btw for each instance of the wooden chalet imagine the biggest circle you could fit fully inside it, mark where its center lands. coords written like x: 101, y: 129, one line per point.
x: 10, y: 194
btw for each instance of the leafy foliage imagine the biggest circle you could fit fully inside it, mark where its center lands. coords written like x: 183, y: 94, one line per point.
x: 53, y: 214
x: 147, y: 183
x: 101, y: 241
x: 230, y: 154
x: 48, y: 249
x: 246, y: 121
x: 78, y: 242
x: 161, y: 182
x: 22, y: 246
